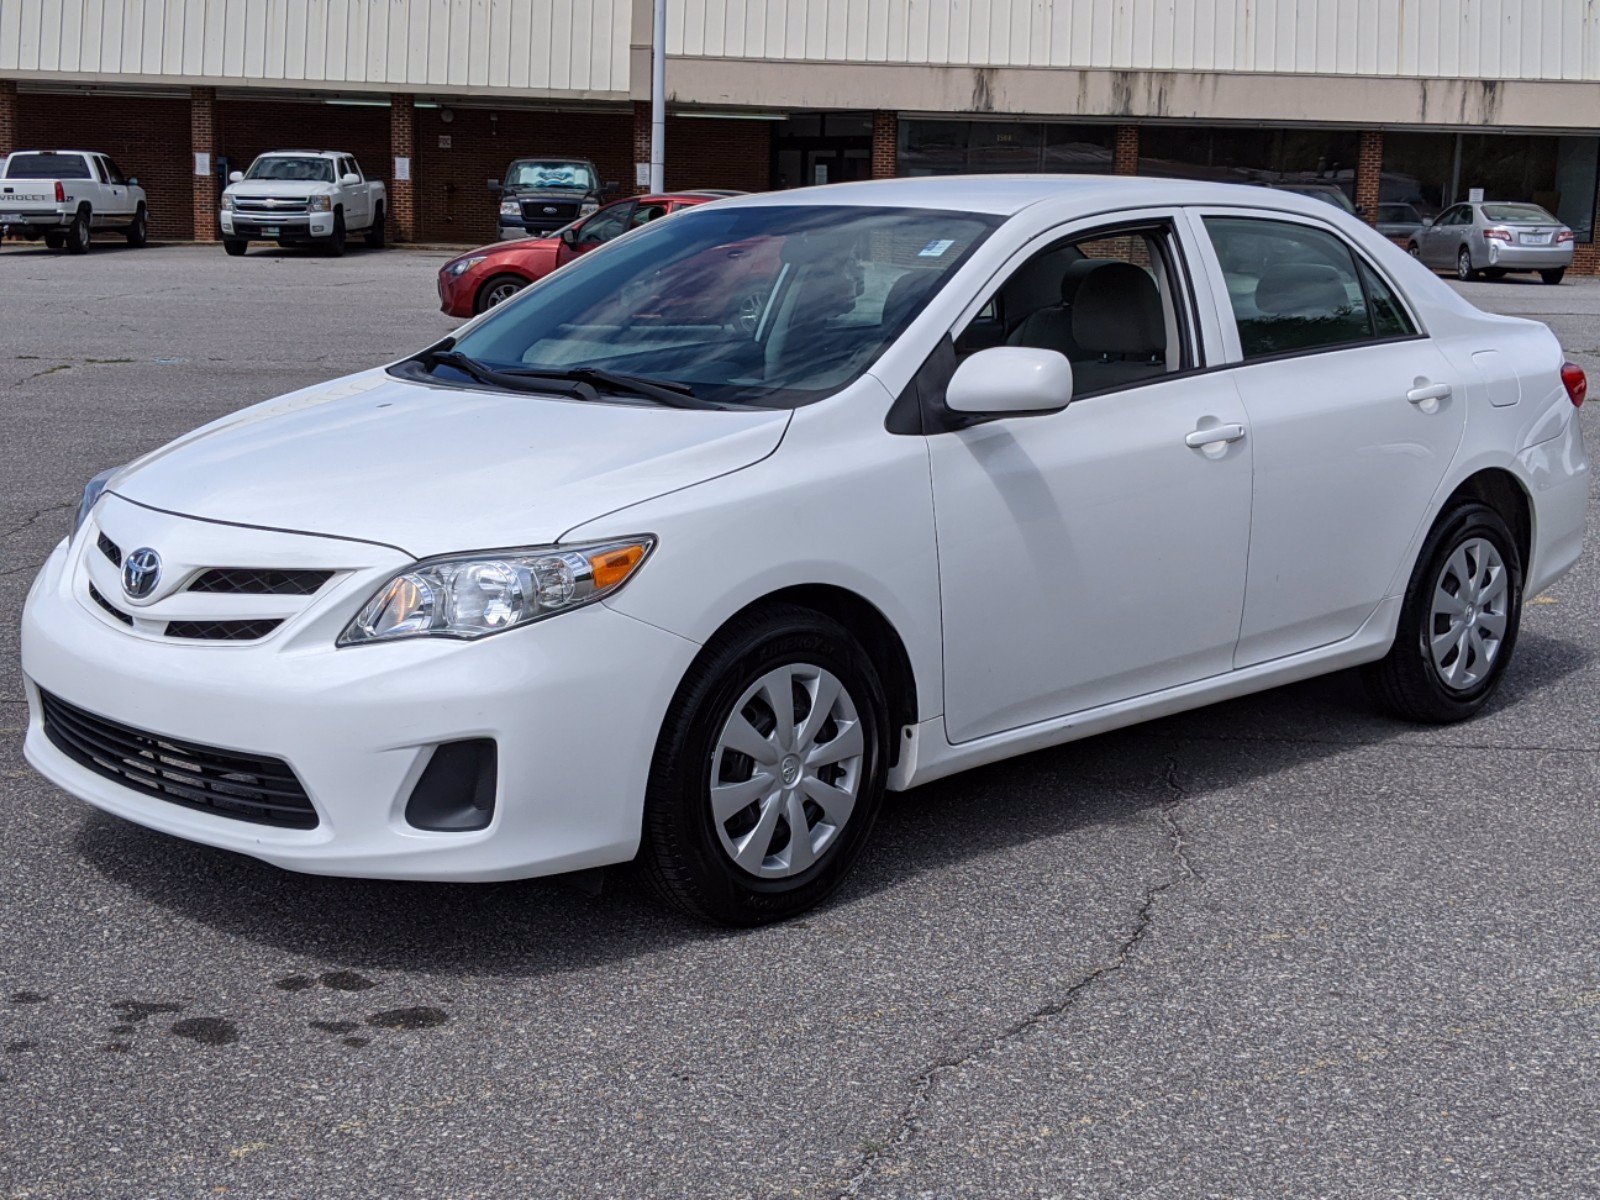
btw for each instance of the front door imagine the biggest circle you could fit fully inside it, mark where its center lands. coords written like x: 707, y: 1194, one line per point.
x: 1355, y: 418
x: 1096, y: 554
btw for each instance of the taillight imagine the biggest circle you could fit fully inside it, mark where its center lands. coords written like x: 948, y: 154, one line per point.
x: 1564, y: 236
x: 1576, y: 383
x: 61, y: 192
x: 1499, y: 235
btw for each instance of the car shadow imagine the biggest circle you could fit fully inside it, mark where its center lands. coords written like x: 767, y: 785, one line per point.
x: 555, y: 926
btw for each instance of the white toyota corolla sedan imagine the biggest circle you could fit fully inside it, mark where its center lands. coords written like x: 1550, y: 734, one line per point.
x: 694, y: 549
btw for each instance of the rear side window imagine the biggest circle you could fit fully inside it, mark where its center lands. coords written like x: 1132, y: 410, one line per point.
x: 1294, y: 288
x: 48, y: 166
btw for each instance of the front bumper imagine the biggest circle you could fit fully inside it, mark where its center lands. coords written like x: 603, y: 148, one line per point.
x: 288, y: 228
x: 574, y: 705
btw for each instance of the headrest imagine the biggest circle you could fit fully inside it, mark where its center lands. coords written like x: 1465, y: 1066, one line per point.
x: 1118, y: 311
x: 905, y: 294
x: 1076, y: 273
x: 1300, y: 289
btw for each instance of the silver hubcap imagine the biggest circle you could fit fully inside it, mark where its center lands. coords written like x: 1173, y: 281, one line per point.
x: 1463, y: 265
x: 786, y: 771
x: 504, y: 292
x: 1471, y: 600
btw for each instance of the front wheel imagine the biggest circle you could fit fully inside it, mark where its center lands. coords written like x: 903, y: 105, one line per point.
x: 375, y: 233
x: 768, y: 772
x: 78, y: 235
x: 1554, y: 276
x: 234, y: 247
x: 498, y: 290
x: 1464, y: 269
x: 139, y: 232
x: 1458, y: 622
x: 336, y: 241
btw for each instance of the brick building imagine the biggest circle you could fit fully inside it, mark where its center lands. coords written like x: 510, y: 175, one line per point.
x: 1394, y: 112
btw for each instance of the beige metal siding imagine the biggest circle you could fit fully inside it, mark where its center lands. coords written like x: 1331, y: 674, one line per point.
x: 1473, y: 39
x: 578, y: 46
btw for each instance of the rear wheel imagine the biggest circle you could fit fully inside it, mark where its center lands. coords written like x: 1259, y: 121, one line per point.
x: 139, y: 232
x: 1464, y: 269
x: 375, y: 232
x: 234, y: 247
x: 78, y: 234
x: 55, y: 239
x: 1458, y: 623
x: 336, y: 242
x: 498, y: 290
x: 768, y: 772
x: 1553, y: 276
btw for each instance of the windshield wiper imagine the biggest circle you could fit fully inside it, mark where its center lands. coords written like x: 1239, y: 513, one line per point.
x: 663, y: 391
x: 511, y: 380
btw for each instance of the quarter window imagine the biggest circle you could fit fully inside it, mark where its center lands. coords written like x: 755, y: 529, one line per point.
x: 1294, y: 288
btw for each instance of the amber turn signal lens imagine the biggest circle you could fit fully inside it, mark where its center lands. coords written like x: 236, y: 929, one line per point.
x: 612, y: 566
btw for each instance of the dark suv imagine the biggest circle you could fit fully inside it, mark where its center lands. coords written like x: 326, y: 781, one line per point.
x: 540, y: 195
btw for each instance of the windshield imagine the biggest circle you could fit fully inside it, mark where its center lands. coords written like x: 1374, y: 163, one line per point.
x: 552, y: 174
x: 768, y: 305
x: 300, y: 170
x: 47, y: 166
x: 1518, y: 214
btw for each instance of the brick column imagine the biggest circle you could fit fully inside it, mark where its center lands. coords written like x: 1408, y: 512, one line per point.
x: 1125, y: 151
x: 1369, y: 174
x: 885, y: 145
x: 8, y: 115
x: 202, y: 140
x: 641, y: 142
x: 402, y: 218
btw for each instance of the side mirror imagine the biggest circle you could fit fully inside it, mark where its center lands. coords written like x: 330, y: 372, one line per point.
x: 496, y: 187
x: 349, y: 179
x: 569, y: 235
x: 133, y: 181
x: 1426, y: 222
x: 1011, y: 381
x: 235, y: 176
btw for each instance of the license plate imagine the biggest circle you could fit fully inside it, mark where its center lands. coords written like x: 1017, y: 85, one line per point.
x: 269, y: 231
x: 11, y: 218
x: 1536, y: 239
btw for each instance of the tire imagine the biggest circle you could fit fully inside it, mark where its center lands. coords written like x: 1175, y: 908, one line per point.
x: 686, y: 855
x: 374, y: 237
x: 334, y: 246
x: 1410, y: 681
x: 497, y: 290
x: 77, y: 239
x: 1464, y: 271
x: 234, y: 247
x: 55, y: 239
x: 139, y: 232
x: 1554, y: 276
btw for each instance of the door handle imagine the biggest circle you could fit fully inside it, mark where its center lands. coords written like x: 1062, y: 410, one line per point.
x: 1430, y: 391
x: 1213, y: 434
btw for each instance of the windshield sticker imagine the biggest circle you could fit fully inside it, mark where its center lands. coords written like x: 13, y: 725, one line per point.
x: 936, y: 249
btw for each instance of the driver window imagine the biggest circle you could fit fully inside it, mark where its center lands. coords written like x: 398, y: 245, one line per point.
x: 1106, y: 300
x: 646, y: 213
x: 605, y: 224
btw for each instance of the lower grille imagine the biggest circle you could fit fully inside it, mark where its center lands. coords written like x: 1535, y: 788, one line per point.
x: 242, y: 786
x: 221, y: 631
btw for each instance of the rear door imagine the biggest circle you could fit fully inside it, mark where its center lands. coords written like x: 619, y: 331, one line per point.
x: 117, y: 202
x: 1355, y: 415
x: 357, y: 197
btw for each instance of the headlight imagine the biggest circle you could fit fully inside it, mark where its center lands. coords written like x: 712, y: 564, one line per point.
x: 320, y: 204
x: 227, y: 203
x: 475, y: 595
x: 510, y: 208
x: 587, y: 207
x: 462, y: 265
x: 91, y: 493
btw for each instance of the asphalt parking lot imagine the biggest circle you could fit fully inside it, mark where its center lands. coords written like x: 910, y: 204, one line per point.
x: 1281, y: 946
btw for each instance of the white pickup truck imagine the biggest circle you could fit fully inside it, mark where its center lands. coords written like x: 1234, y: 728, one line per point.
x: 302, y: 196
x: 64, y: 196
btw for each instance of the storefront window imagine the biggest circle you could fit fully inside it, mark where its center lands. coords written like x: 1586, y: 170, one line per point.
x: 1309, y: 159
x: 1435, y: 170
x: 960, y: 147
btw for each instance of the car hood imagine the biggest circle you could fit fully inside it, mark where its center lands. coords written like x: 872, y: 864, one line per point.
x: 531, y: 245
x: 434, y: 469
x: 277, y: 187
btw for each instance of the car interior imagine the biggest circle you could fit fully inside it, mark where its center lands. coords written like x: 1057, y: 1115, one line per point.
x: 1106, y: 303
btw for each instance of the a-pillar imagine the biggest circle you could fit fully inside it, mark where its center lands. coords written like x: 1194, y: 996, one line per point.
x: 885, y: 144
x: 1369, y: 174
x: 202, y: 142
x: 8, y: 116
x: 1125, y: 151
x: 402, y: 217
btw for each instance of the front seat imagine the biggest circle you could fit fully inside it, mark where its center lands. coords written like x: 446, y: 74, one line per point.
x: 1050, y: 328
x: 1118, y: 322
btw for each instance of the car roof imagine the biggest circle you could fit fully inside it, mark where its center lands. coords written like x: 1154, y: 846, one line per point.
x: 305, y: 153
x: 1007, y: 195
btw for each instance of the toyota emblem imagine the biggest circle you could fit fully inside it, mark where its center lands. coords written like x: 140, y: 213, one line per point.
x: 141, y: 571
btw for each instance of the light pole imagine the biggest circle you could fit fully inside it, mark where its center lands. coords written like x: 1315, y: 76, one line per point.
x: 658, y: 100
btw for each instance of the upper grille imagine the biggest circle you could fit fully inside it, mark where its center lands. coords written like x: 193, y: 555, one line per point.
x: 548, y: 211
x: 249, y: 581
x: 110, y: 549
x: 221, y: 631
x: 94, y: 594
x: 269, y: 206
x: 229, y: 784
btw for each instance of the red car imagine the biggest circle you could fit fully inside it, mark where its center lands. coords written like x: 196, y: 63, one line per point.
x: 482, y: 278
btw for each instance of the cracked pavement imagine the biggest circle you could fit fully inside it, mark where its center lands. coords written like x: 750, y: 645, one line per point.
x: 1281, y: 946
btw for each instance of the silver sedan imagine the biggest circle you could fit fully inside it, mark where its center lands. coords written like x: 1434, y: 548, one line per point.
x: 1494, y: 237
